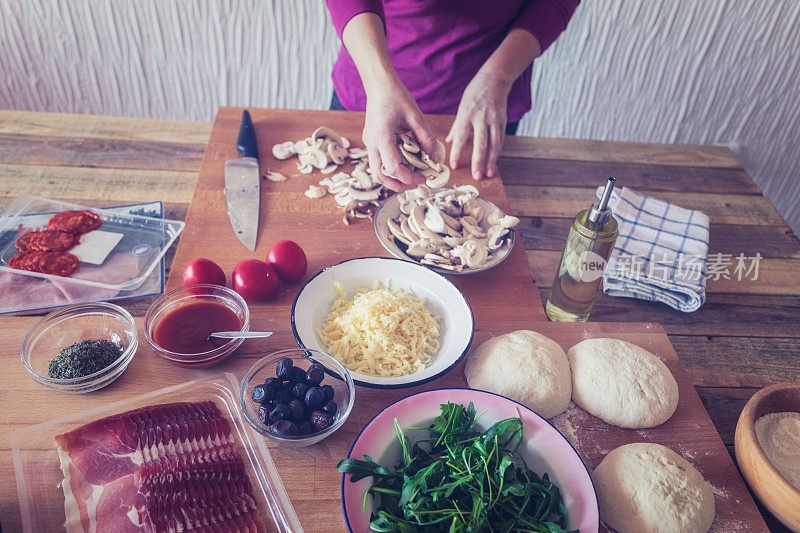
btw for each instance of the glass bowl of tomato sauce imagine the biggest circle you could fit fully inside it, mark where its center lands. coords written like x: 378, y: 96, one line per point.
x: 178, y: 324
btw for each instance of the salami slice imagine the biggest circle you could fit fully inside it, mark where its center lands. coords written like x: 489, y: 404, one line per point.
x: 25, y: 241
x: 19, y: 261
x: 47, y: 241
x: 57, y: 263
x: 75, y: 221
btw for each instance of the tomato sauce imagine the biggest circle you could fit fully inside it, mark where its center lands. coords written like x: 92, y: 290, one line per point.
x: 185, y: 330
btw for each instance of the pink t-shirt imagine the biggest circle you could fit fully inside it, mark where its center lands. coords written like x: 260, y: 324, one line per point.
x: 437, y: 46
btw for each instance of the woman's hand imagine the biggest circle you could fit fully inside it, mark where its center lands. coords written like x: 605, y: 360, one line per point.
x: 481, y: 117
x: 391, y: 110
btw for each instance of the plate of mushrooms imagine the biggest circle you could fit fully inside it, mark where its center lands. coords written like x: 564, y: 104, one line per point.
x: 451, y: 230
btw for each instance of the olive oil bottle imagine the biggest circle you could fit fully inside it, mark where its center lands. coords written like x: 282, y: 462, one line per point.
x: 589, y: 244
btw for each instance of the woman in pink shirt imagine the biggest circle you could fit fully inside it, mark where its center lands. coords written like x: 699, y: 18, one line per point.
x: 470, y: 58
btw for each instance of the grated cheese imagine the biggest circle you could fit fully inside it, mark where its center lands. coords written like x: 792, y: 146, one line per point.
x: 381, y: 332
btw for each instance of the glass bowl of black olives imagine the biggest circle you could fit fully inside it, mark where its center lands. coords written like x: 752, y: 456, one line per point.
x: 296, y: 397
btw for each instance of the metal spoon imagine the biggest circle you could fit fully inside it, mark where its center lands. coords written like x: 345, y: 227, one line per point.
x: 240, y: 334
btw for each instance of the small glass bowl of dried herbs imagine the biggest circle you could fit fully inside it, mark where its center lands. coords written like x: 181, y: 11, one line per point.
x: 80, y: 348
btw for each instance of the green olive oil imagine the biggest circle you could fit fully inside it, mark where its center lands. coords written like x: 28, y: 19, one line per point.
x: 589, y: 244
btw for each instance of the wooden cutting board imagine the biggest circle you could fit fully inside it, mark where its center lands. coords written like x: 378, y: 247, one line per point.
x: 310, y: 475
x: 505, y: 291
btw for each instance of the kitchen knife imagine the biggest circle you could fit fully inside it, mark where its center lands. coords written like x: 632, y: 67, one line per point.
x: 242, y: 187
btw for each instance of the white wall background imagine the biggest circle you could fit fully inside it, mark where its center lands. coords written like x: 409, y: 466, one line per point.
x: 683, y: 71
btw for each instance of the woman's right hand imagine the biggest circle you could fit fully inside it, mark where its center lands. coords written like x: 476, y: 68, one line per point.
x: 391, y: 110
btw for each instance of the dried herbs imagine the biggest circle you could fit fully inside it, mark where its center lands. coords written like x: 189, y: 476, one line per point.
x: 83, y: 358
x: 459, y: 479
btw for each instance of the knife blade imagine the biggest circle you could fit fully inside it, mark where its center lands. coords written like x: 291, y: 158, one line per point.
x: 242, y: 185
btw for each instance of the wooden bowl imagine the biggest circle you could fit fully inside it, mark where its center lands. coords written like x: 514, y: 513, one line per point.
x: 774, y: 491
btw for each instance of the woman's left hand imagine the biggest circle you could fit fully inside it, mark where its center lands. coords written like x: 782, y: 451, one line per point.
x: 481, y: 117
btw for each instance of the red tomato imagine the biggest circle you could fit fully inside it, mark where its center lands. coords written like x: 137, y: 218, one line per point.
x: 288, y: 259
x: 255, y: 280
x: 203, y: 271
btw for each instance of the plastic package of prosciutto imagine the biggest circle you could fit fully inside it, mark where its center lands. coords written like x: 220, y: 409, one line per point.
x: 154, y: 462
x: 108, y: 249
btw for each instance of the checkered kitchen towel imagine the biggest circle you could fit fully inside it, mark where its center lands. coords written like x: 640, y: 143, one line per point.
x: 661, y: 253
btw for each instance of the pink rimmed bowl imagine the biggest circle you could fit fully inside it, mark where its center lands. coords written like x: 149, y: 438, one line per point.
x: 544, y: 450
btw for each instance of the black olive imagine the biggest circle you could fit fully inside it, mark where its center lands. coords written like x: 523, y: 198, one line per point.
x: 315, y: 397
x: 284, y: 369
x: 258, y: 394
x: 280, y: 412
x: 305, y: 428
x: 297, y: 375
x: 330, y: 408
x: 299, y: 390
x: 263, y: 414
x: 298, y: 413
x: 282, y: 396
x: 272, y: 382
x: 285, y: 427
x: 315, y: 373
x: 329, y: 394
x: 321, y: 420
x: 262, y: 393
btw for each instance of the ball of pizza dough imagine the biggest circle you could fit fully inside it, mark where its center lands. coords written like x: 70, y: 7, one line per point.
x: 622, y: 383
x: 526, y: 367
x: 645, y: 487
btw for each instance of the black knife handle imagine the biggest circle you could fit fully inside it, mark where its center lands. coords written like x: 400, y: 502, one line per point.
x: 246, y: 143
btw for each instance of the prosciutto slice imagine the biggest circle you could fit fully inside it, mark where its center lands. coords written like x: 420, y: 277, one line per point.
x: 169, y: 467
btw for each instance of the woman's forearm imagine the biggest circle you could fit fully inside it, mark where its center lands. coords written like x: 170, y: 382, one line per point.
x: 365, y: 40
x: 511, y: 58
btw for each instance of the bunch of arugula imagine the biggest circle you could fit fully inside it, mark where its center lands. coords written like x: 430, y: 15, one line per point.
x: 468, y: 481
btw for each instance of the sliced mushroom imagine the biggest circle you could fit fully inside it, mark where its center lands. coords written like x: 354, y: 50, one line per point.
x: 325, y: 131
x: 271, y: 175
x: 439, y: 261
x: 472, y: 253
x: 450, y: 221
x: 472, y: 227
x: 494, y: 217
x: 453, y: 241
x: 508, y: 221
x: 314, y: 191
x: 406, y: 206
x: 435, y: 179
x: 283, y: 150
x: 301, y: 146
x: 330, y: 168
x: 409, y: 144
x: 395, y: 230
x: 496, y: 236
x: 474, y: 210
x: 467, y: 189
x: 410, y: 234
x: 433, y: 220
x: 357, y: 153
x: 305, y: 169
x: 337, y: 153
x: 417, y: 223
x: 364, y: 195
x: 421, y: 247
x: 412, y: 158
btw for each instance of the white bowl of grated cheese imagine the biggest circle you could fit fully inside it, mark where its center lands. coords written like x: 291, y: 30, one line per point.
x: 368, y: 338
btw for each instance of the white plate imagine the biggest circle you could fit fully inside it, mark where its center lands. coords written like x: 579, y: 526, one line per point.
x: 390, y: 208
x: 456, y: 323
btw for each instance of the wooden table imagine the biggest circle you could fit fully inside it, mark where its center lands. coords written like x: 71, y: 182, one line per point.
x: 744, y: 337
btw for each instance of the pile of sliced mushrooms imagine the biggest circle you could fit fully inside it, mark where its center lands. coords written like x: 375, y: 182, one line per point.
x: 449, y: 229
x: 356, y: 192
